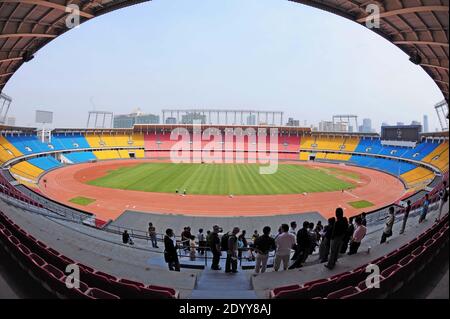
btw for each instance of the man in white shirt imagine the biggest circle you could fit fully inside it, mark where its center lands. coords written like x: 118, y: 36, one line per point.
x: 358, y: 235
x: 284, y: 242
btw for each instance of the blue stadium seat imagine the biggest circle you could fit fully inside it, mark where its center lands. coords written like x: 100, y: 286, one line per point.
x: 45, y: 163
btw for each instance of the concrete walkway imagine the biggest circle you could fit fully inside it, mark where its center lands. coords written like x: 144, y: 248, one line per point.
x: 220, y: 285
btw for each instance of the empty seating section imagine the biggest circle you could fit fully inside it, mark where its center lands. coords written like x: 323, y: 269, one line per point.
x: 371, y: 146
x: 70, y: 141
x: 48, y: 266
x: 439, y: 157
x: 397, y: 268
x: 106, y: 155
x: 417, y: 177
x: 393, y: 167
x: 350, y: 143
x: 26, y: 170
x: 80, y: 157
x: 29, y: 144
x: 7, y: 150
x: 374, y: 146
x: 45, y: 163
x: 338, y: 157
x: 304, y: 156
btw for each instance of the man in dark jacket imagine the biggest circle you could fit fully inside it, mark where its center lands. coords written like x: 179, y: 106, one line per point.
x: 170, y: 251
x: 232, y: 252
x: 348, y: 236
x: 214, y: 245
x: 263, y: 245
x: 324, y: 249
x: 303, y: 246
x: 339, y: 230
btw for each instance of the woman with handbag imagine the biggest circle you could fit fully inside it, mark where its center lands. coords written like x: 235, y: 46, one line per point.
x: 387, y: 232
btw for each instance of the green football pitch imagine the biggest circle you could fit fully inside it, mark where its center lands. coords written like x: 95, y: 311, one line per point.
x: 220, y: 179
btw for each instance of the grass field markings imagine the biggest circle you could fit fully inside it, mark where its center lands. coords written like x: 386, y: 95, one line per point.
x: 283, y: 176
x: 309, y: 176
x: 240, y: 179
x: 258, y: 181
x: 361, y: 204
x: 83, y: 201
x: 313, y: 179
x: 147, y: 177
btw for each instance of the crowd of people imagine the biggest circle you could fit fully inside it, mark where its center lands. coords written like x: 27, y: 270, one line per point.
x: 291, y: 247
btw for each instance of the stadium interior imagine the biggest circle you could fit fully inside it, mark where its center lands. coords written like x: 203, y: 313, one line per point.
x: 41, y: 236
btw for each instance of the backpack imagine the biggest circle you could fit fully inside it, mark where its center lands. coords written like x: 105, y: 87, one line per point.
x: 224, y: 242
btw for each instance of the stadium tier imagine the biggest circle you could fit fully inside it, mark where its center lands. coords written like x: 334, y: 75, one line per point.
x: 27, y: 159
x: 357, y: 150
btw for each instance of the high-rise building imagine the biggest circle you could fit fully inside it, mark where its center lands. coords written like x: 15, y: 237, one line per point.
x: 251, y: 119
x: 366, y: 127
x: 292, y: 122
x: 425, y: 124
x: 329, y: 126
x: 400, y: 123
x: 136, y: 117
x: 171, y: 120
x: 193, y: 118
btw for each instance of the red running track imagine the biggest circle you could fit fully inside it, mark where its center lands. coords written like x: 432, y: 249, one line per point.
x: 68, y: 182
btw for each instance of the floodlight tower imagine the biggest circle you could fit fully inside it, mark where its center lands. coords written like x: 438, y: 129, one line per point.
x: 442, y: 113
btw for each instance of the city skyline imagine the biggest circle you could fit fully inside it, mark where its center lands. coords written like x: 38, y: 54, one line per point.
x: 186, y: 53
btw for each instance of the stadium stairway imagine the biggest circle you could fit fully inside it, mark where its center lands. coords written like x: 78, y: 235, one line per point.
x: 219, y: 285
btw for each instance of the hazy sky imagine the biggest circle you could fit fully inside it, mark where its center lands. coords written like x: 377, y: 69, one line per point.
x: 259, y: 54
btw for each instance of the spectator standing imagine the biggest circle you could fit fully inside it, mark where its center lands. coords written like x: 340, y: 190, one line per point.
x: 339, y: 230
x: 243, y: 244
x: 425, y: 207
x: 357, y: 237
x: 303, y: 246
x: 201, y: 241
x: 293, y: 229
x: 405, y: 216
x: 324, y: 249
x: 152, y: 235
x: 232, y: 252
x: 193, y: 247
x: 215, y: 248
x: 185, y: 237
x: 387, y: 231
x: 314, y: 238
x: 284, y: 242
x: 443, y: 198
x: 364, y: 221
x: 263, y: 245
x: 348, y: 236
x: 255, y: 235
x: 318, y: 230
x: 170, y: 251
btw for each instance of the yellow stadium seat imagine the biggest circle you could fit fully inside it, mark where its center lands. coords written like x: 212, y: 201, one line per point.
x: 7, y: 150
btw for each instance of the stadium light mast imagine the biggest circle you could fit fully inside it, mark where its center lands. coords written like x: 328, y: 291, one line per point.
x: 100, y: 119
x: 5, y: 103
x: 442, y: 113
